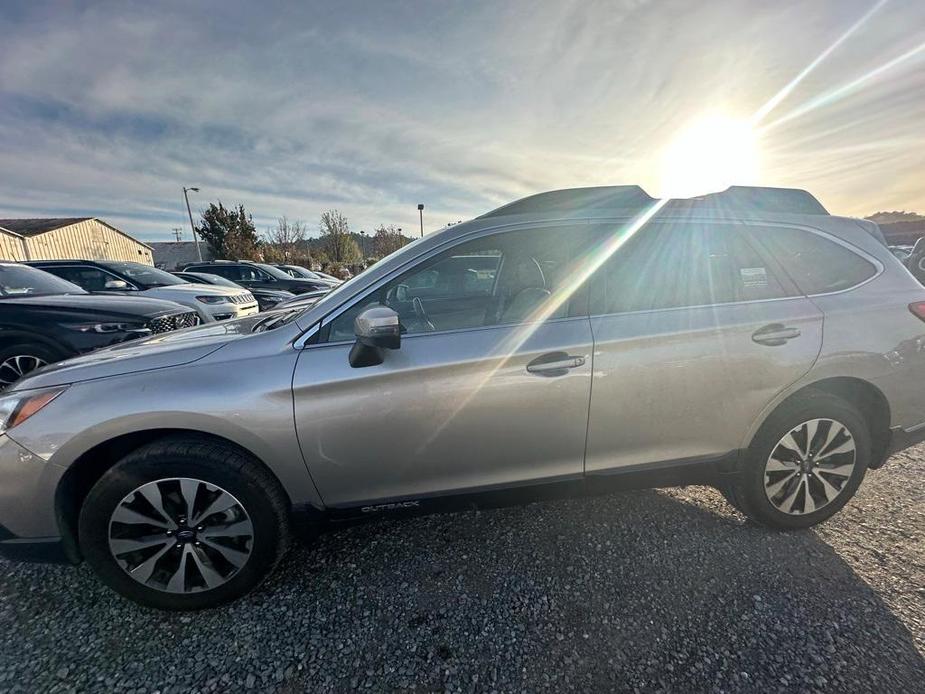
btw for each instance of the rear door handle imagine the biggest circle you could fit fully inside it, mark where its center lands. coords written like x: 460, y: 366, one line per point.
x: 554, y: 364
x: 774, y: 334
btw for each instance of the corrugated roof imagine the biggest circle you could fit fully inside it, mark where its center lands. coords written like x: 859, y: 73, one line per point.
x: 34, y: 227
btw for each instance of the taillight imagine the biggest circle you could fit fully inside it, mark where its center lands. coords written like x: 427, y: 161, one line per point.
x: 918, y: 309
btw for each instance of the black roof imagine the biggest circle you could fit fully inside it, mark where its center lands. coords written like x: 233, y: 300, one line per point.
x: 733, y: 200
x: 34, y: 227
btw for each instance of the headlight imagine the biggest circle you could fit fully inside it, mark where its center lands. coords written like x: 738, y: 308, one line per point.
x: 16, y: 408
x: 209, y: 299
x: 108, y: 327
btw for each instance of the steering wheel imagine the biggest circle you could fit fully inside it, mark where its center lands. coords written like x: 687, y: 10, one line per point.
x: 421, y: 314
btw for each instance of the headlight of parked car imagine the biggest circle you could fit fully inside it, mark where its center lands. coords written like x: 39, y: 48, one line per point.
x: 210, y: 299
x: 16, y: 408
x: 109, y: 327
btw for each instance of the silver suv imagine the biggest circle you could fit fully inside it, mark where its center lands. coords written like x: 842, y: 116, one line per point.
x: 573, y: 342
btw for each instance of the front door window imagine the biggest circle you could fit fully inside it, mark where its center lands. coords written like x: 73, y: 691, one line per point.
x: 502, y: 279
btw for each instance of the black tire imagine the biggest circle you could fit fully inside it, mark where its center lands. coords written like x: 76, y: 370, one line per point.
x: 258, y: 491
x: 31, y: 350
x: 746, y: 491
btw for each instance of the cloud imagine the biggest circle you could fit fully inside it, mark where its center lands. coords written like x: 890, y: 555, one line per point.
x: 109, y: 108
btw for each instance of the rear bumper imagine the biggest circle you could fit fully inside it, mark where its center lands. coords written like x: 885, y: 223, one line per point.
x: 901, y: 439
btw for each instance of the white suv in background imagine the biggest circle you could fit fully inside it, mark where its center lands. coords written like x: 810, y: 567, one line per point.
x: 211, y: 302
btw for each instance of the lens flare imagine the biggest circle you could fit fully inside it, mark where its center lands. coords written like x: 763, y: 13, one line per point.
x: 580, y: 272
x: 773, y: 102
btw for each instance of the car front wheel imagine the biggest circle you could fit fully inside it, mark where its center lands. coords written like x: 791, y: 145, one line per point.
x: 184, y: 523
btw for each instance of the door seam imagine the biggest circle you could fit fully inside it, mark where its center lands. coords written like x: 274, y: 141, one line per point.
x: 584, y: 457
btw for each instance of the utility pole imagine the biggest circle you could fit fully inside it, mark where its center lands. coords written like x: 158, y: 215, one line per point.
x: 192, y: 228
x: 178, y: 233
x: 421, y: 213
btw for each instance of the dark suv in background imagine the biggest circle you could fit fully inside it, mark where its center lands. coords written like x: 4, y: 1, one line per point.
x: 44, y: 319
x: 258, y: 275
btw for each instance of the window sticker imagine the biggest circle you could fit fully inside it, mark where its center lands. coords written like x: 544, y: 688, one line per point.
x: 754, y: 276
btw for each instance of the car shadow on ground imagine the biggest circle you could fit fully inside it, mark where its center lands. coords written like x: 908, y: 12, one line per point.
x: 639, y: 590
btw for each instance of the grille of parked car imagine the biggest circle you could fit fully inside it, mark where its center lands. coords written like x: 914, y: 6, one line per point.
x: 165, y: 324
x: 247, y: 298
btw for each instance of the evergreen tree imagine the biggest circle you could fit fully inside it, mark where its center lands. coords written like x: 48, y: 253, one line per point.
x: 229, y: 232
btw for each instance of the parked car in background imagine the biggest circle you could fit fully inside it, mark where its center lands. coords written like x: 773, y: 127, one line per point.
x: 210, y: 302
x: 302, y: 300
x: 257, y: 275
x: 266, y: 298
x: 44, y: 319
x: 305, y: 273
x: 569, y: 343
x: 326, y: 276
x: 901, y: 252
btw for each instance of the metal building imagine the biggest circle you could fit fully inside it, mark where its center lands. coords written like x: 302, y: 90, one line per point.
x: 86, y: 238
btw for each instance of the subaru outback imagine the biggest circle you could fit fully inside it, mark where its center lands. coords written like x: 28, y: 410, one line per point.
x: 570, y: 343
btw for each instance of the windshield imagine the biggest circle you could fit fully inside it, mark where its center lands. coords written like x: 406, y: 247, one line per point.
x: 274, y: 271
x: 19, y: 280
x: 144, y: 275
x: 208, y: 278
x: 332, y: 298
x: 300, y: 271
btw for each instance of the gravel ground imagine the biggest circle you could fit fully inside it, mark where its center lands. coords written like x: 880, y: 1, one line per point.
x: 653, y: 590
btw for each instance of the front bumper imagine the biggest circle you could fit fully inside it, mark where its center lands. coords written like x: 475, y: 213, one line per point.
x: 28, y: 526
x: 219, y: 312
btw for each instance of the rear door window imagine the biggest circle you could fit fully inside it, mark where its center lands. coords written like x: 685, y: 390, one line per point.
x: 817, y: 264
x: 678, y: 264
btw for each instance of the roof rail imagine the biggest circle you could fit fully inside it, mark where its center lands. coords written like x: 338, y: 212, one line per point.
x: 733, y: 200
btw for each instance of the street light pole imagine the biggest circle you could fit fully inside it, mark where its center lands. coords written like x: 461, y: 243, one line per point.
x: 190, y: 213
x: 421, y: 213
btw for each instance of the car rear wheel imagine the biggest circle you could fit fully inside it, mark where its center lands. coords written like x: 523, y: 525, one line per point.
x: 20, y: 359
x: 185, y: 523
x: 805, y: 463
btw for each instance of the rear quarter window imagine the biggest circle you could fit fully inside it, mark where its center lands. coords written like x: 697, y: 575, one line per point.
x: 817, y: 264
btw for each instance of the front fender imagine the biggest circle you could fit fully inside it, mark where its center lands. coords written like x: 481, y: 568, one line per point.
x: 246, y: 405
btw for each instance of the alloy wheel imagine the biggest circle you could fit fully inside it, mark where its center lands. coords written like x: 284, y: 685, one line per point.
x: 810, y: 466
x: 15, y: 367
x: 181, y: 535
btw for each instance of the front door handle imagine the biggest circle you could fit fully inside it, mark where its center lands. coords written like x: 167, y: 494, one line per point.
x: 554, y: 364
x: 774, y: 334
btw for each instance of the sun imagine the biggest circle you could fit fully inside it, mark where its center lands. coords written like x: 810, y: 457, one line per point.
x: 708, y: 155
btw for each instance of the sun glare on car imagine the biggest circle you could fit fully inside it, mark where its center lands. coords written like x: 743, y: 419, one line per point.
x: 708, y: 155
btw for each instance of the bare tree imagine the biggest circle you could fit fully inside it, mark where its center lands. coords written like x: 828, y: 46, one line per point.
x: 387, y: 239
x: 287, y: 238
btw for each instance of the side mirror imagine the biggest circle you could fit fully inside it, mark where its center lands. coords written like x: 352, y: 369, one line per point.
x: 377, y: 328
x: 116, y: 284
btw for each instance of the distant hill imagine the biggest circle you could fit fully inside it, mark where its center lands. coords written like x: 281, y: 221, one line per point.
x: 900, y: 227
x: 891, y: 217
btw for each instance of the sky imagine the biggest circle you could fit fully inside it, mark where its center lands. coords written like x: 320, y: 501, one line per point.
x: 108, y: 109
